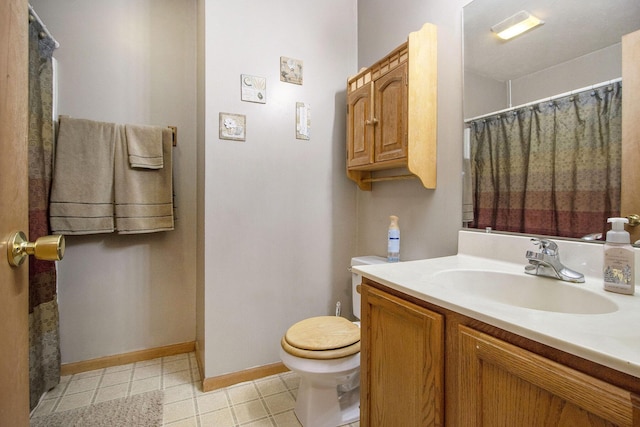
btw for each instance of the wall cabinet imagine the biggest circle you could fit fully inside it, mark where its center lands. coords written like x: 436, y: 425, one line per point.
x: 391, y: 114
x: 402, y: 369
x: 423, y: 365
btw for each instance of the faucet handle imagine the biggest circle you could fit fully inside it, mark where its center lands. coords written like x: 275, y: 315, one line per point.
x: 546, y: 246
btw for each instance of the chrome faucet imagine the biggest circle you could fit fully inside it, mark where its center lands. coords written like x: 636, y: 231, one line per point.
x: 547, y: 263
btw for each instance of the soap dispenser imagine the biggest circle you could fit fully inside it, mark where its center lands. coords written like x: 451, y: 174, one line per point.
x: 393, y: 242
x: 619, y: 257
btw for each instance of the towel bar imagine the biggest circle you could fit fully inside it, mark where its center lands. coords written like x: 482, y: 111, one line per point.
x: 174, y: 130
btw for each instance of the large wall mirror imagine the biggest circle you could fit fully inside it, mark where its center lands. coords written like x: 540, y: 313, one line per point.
x: 577, y: 49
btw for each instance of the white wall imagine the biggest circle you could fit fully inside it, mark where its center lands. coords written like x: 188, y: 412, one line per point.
x: 277, y: 219
x: 129, y: 62
x: 279, y: 213
x: 429, y: 219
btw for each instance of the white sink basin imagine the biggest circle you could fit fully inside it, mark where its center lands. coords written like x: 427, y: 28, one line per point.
x: 523, y: 290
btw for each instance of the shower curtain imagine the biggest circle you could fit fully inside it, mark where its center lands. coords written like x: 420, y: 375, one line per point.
x: 44, y: 349
x: 552, y: 168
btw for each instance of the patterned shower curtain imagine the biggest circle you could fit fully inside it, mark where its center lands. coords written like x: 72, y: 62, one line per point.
x: 552, y: 168
x: 44, y: 348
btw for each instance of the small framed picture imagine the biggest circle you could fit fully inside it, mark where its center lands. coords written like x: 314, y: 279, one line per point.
x: 290, y: 70
x: 233, y: 126
x: 253, y: 89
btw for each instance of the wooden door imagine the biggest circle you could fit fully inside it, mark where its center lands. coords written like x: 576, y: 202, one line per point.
x: 401, y: 363
x: 503, y: 385
x: 14, y: 292
x: 390, y: 98
x: 630, y: 198
x: 360, y: 127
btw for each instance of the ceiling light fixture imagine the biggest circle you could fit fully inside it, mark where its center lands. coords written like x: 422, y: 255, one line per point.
x: 516, y: 24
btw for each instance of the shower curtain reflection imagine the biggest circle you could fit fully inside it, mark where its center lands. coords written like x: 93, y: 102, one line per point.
x: 549, y: 169
x: 44, y: 348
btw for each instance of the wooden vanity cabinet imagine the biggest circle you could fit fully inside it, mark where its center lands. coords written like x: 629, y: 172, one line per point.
x: 505, y: 385
x: 423, y: 365
x: 392, y: 114
x: 402, y: 368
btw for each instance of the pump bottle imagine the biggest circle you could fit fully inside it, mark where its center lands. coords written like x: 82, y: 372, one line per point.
x: 393, y: 245
x: 619, y: 257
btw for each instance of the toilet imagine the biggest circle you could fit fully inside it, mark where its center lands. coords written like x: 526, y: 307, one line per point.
x: 325, y: 352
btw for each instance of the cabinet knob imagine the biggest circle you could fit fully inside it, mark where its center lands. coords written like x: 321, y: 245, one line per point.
x: 371, y: 122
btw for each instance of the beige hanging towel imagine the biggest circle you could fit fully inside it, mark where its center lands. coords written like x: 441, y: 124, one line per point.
x: 81, y: 199
x: 144, y: 144
x: 143, y: 197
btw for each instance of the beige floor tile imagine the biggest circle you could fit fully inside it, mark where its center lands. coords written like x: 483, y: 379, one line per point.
x: 212, y: 401
x: 287, y: 419
x: 148, y: 371
x: 179, y: 411
x: 243, y: 393
x: 112, y: 392
x: 113, y: 378
x: 271, y: 385
x: 219, y: 418
x: 249, y: 411
x: 73, y: 401
x: 175, y: 366
x: 280, y: 402
x: 189, y: 422
x: 81, y: 385
x: 176, y: 378
x: 145, y: 385
x: 179, y: 392
x: 265, y: 422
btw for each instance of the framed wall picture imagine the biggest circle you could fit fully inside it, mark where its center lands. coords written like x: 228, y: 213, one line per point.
x: 290, y: 70
x: 253, y: 88
x: 233, y: 126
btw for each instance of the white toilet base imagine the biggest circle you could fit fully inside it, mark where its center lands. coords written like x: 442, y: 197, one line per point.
x: 320, y: 406
x: 319, y: 402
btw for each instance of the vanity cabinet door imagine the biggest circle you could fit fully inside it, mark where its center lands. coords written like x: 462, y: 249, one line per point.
x: 503, y: 385
x: 402, y: 363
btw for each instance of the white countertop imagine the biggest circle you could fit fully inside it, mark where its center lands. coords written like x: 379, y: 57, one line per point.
x: 611, y: 339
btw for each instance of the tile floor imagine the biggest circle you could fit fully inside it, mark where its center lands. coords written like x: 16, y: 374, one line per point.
x: 265, y: 402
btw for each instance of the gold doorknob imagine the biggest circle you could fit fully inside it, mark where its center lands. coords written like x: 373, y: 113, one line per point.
x: 634, y: 219
x: 48, y: 248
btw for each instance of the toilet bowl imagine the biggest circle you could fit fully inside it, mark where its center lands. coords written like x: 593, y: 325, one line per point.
x: 325, y: 352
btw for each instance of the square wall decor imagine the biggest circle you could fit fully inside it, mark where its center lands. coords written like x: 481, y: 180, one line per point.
x: 232, y: 126
x: 253, y: 88
x: 290, y: 70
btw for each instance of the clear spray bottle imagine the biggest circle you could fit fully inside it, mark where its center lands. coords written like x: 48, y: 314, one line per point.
x: 393, y: 243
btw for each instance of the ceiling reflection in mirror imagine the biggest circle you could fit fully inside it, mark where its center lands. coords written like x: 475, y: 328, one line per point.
x: 576, y: 34
x: 577, y: 47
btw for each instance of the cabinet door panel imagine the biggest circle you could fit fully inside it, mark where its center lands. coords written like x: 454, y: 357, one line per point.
x: 360, y: 127
x: 391, y: 114
x: 501, y: 384
x: 402, y: 363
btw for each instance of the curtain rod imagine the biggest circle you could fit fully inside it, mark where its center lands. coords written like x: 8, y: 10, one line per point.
x: 33, y: 13
x: 550, y: 98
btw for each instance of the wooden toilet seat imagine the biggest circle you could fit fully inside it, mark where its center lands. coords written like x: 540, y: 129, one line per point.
x: 322, y: 337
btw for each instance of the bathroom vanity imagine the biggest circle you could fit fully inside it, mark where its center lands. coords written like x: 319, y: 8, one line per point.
x: 472, y: 340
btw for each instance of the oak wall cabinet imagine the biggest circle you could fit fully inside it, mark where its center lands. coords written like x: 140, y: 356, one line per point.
x: 392, y: 114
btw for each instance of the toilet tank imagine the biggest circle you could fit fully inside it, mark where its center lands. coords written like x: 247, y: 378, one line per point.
x: 356, y: 279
